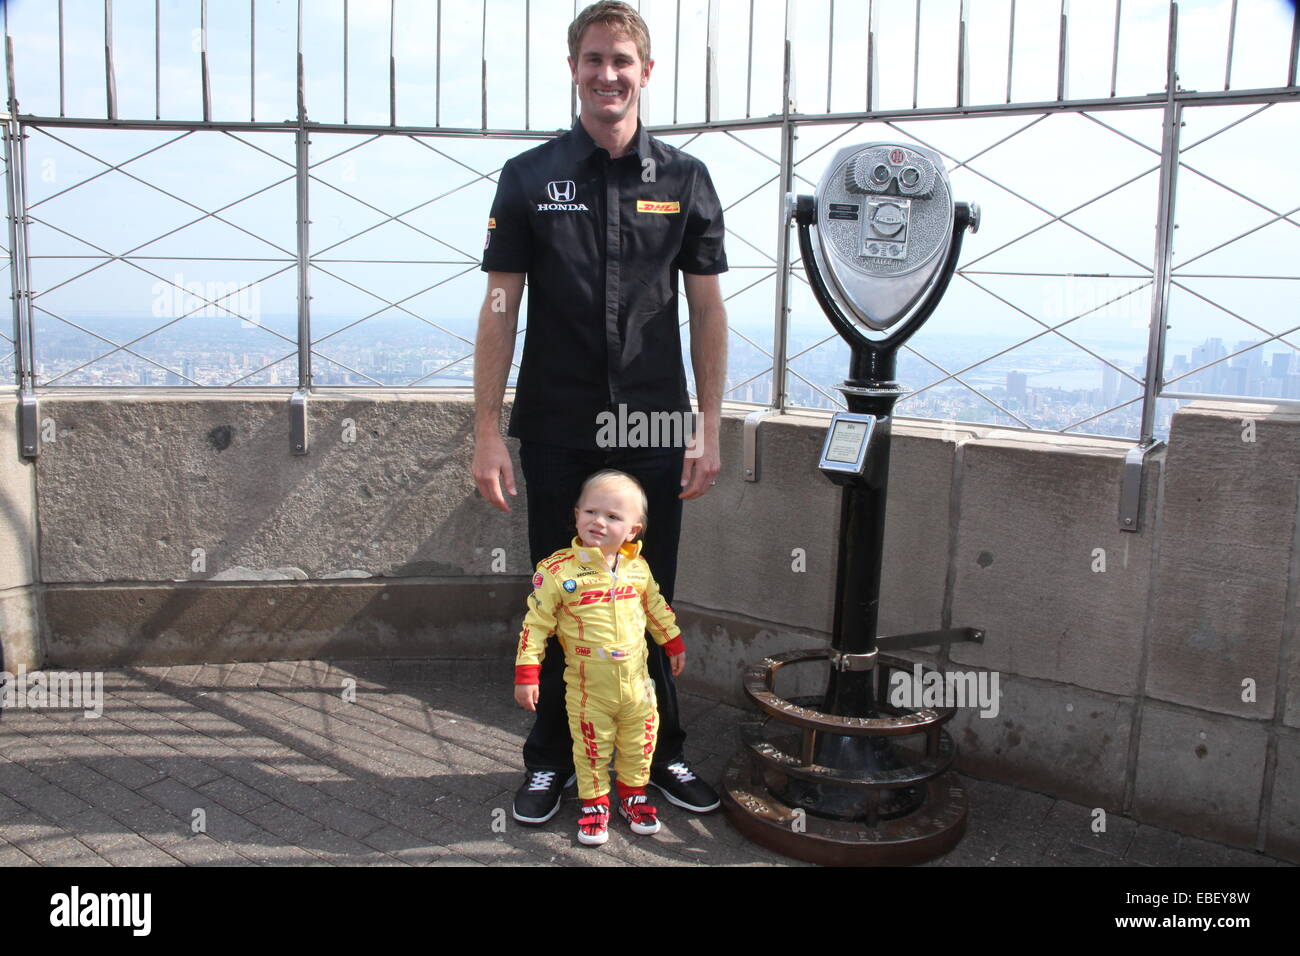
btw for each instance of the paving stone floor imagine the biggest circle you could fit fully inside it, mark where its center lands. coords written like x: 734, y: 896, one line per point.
x: 236, y: 764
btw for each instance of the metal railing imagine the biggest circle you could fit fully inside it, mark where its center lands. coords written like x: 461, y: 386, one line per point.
x: 706, y: 108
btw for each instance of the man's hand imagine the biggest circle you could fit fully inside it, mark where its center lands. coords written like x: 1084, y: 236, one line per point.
x: 709, y: 359
x: 492, y: 468
x: 701, y: 466
x: 526, y: 696
x: 677, y: 662
x: 497, y: 321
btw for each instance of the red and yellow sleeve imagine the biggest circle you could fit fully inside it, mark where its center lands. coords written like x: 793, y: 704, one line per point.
x: 660, y: 620
x: 539, y: 622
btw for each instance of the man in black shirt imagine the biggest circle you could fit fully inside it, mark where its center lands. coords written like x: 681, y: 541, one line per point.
x: 600, y: 220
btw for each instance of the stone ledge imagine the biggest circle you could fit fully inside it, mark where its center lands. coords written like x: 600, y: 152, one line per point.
x: 20, y: 634
x: 143, y: 487
x: 206, y: 623
x: 1051, y: 737
x: 17, y: 503
x: 1228, y: 528
x: 1200, y: 773
x: 1043, y: 567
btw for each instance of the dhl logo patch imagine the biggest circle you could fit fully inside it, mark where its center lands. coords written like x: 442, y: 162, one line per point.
x: 621, y: 593
x: 492, y: 223
x: 590, y: 746
x: 652, y: 205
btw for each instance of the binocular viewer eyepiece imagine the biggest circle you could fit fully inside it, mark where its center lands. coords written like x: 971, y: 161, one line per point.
x: 884, y: 229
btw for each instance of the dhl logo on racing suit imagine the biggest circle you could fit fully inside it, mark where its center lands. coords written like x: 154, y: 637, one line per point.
x: 620, y: 593
x: 589, y: 745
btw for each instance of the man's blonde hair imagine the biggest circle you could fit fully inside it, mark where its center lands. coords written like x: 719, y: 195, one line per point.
x: 620, y: 18
x: 615, y: 478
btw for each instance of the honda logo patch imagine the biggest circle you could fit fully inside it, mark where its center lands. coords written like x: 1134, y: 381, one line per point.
x: 561, y: 191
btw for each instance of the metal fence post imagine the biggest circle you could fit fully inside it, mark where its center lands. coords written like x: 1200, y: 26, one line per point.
x: 298, y: 437
x: 1164, y: 236
x: 750, y: 438
x: 19, y: 267
x: 1130, y: 497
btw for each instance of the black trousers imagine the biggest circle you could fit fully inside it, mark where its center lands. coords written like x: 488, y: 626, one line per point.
x: 553, y: 477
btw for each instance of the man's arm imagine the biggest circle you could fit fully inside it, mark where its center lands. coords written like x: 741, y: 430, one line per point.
x: 708, y: 317
x: 494, y: 346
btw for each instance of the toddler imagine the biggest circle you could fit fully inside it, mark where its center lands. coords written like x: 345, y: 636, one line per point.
x: 599, y: 598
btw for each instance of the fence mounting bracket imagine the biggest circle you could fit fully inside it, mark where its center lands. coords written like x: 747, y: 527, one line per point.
x: 29, y: 420
x: 298, y: 421
x: 1130, y: 494
x: 752, y: 421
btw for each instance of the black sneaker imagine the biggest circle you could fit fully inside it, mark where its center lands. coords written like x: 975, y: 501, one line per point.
x: 683, y: 788
x: 539, y: 797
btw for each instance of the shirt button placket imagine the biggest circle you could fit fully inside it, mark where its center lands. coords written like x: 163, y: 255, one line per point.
x: 613, y: 252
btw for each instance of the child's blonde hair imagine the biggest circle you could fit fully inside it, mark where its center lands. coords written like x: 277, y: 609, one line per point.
x: 611, y: 476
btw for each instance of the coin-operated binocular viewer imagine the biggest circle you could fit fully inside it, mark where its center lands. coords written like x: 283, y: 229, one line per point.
x: 846, y: 778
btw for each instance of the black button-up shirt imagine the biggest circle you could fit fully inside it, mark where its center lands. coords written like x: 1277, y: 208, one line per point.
x: 602, y: 241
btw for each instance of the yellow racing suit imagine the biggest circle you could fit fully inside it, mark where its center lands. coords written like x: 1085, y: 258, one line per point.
x: 600, y: 616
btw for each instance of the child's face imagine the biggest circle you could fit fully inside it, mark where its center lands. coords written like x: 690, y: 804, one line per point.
x: 607, y: 516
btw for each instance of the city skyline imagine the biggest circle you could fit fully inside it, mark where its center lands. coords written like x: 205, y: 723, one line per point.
x: 1054, y: 388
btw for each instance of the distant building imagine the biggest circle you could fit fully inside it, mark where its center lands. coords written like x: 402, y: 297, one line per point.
x: 1017, y: 387
x: 1110, y: 382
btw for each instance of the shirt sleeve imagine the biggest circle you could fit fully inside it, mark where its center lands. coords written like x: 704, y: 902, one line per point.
x: 660, y: 620
x: 508, y: 247
x: 539, y: 622
x: 702, y: 252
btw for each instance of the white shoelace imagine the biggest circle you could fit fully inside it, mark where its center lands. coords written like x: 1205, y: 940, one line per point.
x: 541, y: 780
x: 681, y: 772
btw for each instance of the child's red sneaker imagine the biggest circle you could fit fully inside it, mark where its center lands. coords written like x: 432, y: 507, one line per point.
x: 639, y: 814
x: 593, y: 824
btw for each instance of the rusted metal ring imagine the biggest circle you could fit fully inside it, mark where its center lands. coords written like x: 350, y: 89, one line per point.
x: 760, y: 678
x: 915, y: 771
x: 931, y: 831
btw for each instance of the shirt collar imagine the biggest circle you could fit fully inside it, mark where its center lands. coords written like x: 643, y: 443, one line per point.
x: 582, y: 145
x: 594, y: 556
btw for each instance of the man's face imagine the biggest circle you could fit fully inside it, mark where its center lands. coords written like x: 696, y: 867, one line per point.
x: 609, y: 74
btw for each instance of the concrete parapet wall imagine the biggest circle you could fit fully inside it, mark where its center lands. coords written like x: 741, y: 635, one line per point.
x: 1156, y: 673
x: 1042, y: 564
x: 20, y: 635
x: 467, y: 617
x: 1226, y: 543
x: 146, y: 488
